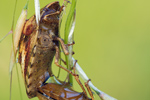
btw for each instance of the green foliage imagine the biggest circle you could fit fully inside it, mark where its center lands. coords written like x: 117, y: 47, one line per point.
x: 68, y: 25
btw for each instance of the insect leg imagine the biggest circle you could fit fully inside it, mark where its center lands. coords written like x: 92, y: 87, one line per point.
x: 86, y: 83
x: 77, y: 79
x: 71, y: 44
x: 64, y: 46
x: 89, y: 89
x: 57, y: 62
x: 55, y: 13
x: 63, y: 61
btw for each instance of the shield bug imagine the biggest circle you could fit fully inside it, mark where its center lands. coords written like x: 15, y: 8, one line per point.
x: 53, y: 91
x: 38, y: 44
x: 37, y: 47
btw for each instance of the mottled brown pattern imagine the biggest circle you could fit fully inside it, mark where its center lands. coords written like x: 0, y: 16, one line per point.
x: 29, y: 26
x: 37, y: 48
x: 27, y: 56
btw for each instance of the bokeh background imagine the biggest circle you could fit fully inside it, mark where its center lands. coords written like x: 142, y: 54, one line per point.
x: 112, y: 46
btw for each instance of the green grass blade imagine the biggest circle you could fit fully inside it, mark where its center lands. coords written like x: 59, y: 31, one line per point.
x: 68, y: 25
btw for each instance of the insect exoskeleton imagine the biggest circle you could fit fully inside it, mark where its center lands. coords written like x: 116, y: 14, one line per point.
x: 37, y: 47
x: 38, y: 44
x: 64, y: 91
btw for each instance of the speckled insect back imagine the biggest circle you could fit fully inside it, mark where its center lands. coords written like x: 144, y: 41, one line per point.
x: 37, y: 47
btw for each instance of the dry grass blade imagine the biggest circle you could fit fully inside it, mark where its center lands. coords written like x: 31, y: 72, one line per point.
x: 37, y: 10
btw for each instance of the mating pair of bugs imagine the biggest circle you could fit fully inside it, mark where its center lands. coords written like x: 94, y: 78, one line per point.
x: 38, y: 44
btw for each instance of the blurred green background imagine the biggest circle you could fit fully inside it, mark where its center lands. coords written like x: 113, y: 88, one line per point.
x: 112, y: 46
